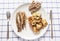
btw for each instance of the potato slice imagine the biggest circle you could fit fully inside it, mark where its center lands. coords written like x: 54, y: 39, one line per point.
x: 39, y: 26
x: 44, y: 22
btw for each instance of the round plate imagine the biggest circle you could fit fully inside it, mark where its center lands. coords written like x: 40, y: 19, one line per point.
x: 27, y: 33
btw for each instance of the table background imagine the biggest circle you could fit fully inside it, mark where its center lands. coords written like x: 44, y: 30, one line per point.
x: 11, y: 5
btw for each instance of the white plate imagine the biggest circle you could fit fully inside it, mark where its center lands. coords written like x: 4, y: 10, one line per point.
x: 27, y: 33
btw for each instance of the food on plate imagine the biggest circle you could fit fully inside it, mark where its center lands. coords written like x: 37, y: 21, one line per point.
x: 36, y: 22
x: 35, y: 6
x: 44, y: 22
x: 20, y: 20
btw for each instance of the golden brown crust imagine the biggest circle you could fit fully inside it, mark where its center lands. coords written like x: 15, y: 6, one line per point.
x: 37, y: 23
